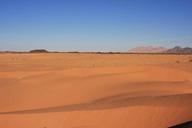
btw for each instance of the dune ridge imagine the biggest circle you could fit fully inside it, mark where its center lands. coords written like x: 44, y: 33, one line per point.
x: 116, y: 101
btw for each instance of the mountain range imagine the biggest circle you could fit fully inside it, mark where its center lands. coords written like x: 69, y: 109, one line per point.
x: 151, y: 49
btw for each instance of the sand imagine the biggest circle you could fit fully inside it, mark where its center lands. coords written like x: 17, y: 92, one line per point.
x: 65, y: 90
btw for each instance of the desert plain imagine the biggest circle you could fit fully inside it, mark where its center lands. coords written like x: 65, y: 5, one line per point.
x: 86, y: 90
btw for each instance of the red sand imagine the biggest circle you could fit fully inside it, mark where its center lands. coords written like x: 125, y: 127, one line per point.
x: 94, y: 91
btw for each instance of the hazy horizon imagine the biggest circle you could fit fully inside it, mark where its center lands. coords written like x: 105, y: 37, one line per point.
x: 96, y: 25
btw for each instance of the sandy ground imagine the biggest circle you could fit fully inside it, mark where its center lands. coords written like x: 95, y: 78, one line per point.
x: 61, y: 90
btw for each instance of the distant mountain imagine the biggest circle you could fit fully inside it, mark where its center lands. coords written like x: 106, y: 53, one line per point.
x: 149, y: 49
x: 38, y: 51
x: 179, y: 49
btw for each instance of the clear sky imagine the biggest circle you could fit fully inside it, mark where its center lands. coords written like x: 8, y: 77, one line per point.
x: 94, y: 25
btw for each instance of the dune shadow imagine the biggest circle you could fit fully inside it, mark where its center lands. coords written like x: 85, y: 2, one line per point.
x: 115, y: 101
x: 183, y: 125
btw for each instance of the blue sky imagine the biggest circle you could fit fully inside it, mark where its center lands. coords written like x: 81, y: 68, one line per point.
x: 94, y: 25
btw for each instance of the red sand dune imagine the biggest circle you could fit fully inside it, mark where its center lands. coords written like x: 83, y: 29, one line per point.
x: 94, y: 91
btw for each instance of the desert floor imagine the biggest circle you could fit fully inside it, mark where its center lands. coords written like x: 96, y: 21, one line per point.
x: 65, y: 90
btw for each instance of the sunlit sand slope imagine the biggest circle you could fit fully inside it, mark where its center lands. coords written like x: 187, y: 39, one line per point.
x: 94, y: 91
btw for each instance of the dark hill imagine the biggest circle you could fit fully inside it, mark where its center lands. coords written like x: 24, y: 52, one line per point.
x: 178, y: 49
x: 39, y: 51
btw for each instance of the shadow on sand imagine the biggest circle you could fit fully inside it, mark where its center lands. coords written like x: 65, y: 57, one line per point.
x: 183, y: 125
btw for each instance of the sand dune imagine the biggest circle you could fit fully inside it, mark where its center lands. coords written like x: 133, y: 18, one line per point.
x: 94, y: 91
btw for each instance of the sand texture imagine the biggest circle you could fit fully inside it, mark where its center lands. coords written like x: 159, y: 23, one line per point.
x: 65, y: 90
